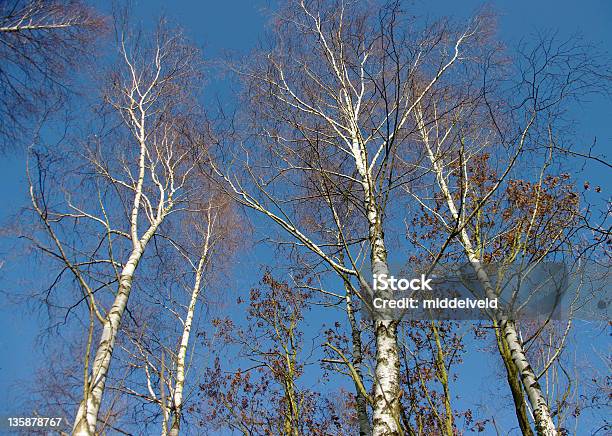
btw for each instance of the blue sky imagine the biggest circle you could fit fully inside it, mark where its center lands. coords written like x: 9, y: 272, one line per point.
x: 220, y: 26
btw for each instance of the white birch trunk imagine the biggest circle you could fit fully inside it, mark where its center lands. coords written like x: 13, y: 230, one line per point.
x: 182, y: 354
x: 386, y: 414
x: 543, y: 419
x: 87, y: 415
x: 541, y: 413
x: 537, y: 401
x: 386, y: 407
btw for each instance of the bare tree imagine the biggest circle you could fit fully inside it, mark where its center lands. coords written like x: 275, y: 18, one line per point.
x: 354, y: 117
x: 336, y: 98
x: 151, y: 94
x: 267, y: 396
x: 41, y: 44
x: 162, y: 358
x: 461, y: 138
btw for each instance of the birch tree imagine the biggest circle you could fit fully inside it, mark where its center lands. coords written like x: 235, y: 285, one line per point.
x: 334, y: 97
x: 161, y: 353
x: 210, y: 238
x: 138, y: 182
x: 460, y: 143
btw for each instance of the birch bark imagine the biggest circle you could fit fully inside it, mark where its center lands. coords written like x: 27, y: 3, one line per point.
x: 182, y: 354
x: 386, y: 413
x: 537, y: 401
x: 87, y: 414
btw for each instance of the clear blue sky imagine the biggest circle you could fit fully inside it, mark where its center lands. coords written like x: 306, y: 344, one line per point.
x: 236, y: 25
